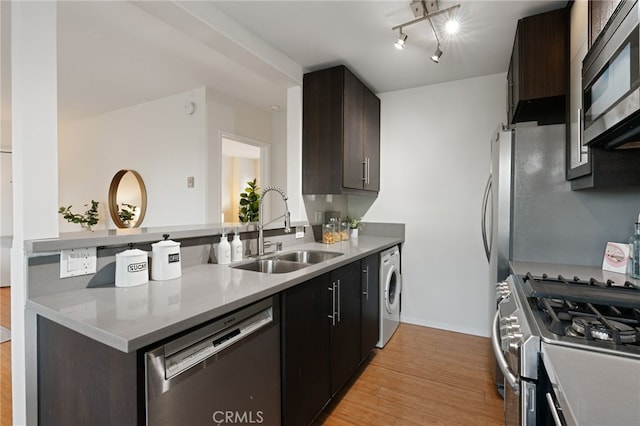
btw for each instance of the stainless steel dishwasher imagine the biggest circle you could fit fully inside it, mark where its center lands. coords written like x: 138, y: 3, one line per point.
x: 227, y: 372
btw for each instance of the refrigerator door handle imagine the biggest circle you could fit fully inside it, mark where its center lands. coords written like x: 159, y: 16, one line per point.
x: 485, y: 201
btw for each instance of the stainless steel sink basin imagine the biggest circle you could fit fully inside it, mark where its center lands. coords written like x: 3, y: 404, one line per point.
x: 307, y: 256
x: 271, y: 266
x: 280, y: 263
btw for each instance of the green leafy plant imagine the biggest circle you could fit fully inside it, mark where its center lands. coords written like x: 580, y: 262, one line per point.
x: 89, y: 217
x: 127, y: 212
x: 353, y: 222
x: 250, y: 203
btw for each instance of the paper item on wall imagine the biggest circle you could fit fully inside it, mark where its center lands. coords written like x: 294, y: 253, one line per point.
x: 616, y: 257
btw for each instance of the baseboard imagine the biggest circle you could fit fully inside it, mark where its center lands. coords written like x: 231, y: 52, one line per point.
x: 444, y: 326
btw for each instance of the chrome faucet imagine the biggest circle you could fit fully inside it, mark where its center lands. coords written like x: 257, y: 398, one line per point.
x: 261, y: 224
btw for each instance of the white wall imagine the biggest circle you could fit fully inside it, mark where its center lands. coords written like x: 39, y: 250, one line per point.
x: 435, y: 160
x: 165, y: 145
x: 158, y: 139
x: 35, y: 171
x: 226, y: 115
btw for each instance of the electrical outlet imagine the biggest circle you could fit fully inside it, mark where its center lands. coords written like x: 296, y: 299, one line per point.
x: 80, y: 261
x: 191, y: 182
x: 318, y: 217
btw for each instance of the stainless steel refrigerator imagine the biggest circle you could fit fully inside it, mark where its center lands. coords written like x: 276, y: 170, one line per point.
x: 530, y: 213
x: 496, y: 219
x: 496, y: 207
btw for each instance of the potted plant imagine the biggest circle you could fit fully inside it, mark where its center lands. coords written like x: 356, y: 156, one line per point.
x: 354, y: 226
x: 86, y: 220
x: 250, y: 203
x: 127, y: 212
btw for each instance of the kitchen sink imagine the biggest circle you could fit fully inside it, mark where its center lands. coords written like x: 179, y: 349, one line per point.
x: 271, y: 266
x: 307, y: 256
x: 281, y: 263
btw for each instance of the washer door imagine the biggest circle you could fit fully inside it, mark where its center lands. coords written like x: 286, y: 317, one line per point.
x: 392, y: 288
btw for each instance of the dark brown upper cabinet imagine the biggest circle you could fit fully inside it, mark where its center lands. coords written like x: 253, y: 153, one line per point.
x: 340, y: 134
x: 537, y: 76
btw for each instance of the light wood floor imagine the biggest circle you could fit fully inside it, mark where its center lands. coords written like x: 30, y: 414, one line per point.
x: 5, y: 359
x: 423, y: 376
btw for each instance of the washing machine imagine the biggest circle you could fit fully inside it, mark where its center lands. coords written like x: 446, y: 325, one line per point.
x: 390, y: 289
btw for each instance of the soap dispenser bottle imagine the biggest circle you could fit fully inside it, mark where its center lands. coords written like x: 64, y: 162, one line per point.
x: 224, y: 250
x: 236, y: 247
x: 634, y: 251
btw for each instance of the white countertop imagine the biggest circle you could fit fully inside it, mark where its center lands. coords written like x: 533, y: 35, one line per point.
x: 594, y: 391
x: 131, y: 318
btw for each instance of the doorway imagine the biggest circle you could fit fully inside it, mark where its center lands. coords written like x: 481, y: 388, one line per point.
x: 243, y: 160
x: 6, y: 217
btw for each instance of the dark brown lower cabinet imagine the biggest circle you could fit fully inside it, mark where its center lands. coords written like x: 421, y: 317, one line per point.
x: 306, y: 385
x: 83, y: 382
x: 330, y: 324
x: 345, y: 331
x: 370, y: 306
x: 321, y: 341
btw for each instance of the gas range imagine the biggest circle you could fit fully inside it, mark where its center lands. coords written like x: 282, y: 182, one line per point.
x: 591, y: 314
x: 557, y: 339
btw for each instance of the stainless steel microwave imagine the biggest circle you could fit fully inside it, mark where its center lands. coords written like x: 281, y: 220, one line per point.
x: 611, y: 83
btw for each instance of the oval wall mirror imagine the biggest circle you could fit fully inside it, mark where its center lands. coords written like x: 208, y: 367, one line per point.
x: 127, y: 199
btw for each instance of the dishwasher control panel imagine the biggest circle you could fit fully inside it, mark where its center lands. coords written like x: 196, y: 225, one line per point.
x: 198, y: 352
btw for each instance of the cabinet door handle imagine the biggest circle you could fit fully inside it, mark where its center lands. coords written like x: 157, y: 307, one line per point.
x: 332, y: 289
x: 366, y: 280
x: 364, y: 171
x: 339, y: 305
x: 368, y: 160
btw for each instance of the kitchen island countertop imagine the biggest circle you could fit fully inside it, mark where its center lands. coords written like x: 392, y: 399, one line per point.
x: 131, y: 318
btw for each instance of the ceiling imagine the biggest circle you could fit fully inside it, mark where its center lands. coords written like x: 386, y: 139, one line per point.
x: 317, y: 34
x: 113, y: 54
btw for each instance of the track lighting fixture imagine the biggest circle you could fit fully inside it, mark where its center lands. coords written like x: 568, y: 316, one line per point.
x: 399, y: 44
x: 418, y: 7
x: 436, y: 55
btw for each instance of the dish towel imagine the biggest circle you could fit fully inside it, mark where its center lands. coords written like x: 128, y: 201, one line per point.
x: 5, y: 334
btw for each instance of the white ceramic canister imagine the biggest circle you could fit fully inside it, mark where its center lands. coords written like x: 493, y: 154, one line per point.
x: 165, y: 260
x: 132, y: 267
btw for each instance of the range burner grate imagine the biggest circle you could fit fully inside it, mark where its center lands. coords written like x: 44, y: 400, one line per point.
x: 577, y: 280
x: 580, y: 291
x: 601, y: 329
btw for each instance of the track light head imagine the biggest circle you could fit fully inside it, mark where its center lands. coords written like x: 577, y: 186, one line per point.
x: 436, y: 55
x: 452, y: 26
x: 402, y: 39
